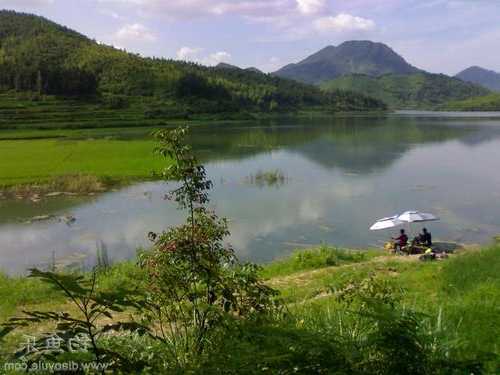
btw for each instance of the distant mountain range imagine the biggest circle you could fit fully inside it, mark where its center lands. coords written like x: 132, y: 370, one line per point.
x: 353, y: 57
x: 374, y: 69
x: 40, y: 58
x: 481, y: 76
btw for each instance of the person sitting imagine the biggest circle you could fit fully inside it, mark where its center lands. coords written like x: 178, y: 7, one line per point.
x: 426, y: 238
x: 401, y: 241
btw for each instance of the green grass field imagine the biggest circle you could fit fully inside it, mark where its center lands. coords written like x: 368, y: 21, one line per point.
x: 30, y: 161
x: 42, y: 140
x: 456, y: 302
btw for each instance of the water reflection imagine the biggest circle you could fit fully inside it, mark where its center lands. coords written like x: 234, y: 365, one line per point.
x: 342, y: 174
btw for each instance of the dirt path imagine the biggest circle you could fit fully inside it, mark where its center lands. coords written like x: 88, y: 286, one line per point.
x: 304, y: 278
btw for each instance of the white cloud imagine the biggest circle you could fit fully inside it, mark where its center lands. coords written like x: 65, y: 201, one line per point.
x: 188, y: 53
x: 112, y: 14
x: 135, y: 33
x: 216, y: 58
x: 245, y: 8
x: 25, y: 3
x: 283, y: 19
x: 311, y: 6
x: 271, y: 65
x: 195, y: 55
x: 343, y: 22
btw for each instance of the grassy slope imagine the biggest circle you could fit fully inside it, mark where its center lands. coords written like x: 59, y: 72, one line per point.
x: 482, y: 103
x: 460, y: 296
x: 408, y: 91
x: 464, y: 291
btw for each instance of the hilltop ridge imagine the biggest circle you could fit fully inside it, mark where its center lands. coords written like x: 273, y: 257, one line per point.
x: 351, y: 57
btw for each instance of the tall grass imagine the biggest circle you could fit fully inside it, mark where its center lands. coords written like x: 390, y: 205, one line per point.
x: 470, y: 297
x: 321, y: 257
x: 382, y: 317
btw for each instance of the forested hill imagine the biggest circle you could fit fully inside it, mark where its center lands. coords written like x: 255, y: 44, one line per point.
x: 41, y: 57
x: 481, y: 76
x: 353, y: 57
x: 420, y: 90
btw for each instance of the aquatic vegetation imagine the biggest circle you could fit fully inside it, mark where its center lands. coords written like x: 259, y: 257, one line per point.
x: 274, y: 178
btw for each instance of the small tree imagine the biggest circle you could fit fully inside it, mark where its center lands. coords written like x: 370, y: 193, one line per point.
x: 195, y: 280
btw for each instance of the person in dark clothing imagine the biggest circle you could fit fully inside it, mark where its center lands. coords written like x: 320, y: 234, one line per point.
x: 426, y: 238
x: 401, y: 241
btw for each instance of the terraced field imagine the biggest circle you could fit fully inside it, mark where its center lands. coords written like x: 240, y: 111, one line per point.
x: 18, y: 112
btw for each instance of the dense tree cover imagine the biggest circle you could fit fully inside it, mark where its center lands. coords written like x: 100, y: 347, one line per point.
x: 482, y: 103
x: 40, y: 56
x: 420, y: 90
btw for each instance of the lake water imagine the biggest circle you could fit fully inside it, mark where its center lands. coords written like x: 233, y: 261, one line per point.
x: 341, y: 174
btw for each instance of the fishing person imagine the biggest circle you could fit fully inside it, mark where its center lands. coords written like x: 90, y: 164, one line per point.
x: 425, y: 238
x: 401, y: 241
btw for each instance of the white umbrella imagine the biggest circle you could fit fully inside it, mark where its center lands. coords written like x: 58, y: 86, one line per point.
x: 387, y: 223
x: 417, y: 217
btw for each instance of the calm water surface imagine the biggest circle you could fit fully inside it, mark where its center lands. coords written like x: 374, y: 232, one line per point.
x: 341, y: 175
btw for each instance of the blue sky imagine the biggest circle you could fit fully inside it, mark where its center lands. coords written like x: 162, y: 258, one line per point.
x: 441, y: 36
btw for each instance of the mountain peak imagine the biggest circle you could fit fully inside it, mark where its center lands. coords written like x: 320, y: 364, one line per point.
x: 484, y: 77
x: 224, y: 65
x: 254, y: 70
x: 351, y: 57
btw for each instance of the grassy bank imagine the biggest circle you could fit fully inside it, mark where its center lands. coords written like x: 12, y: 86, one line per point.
x: 455, y: 305
x: 42, y: 161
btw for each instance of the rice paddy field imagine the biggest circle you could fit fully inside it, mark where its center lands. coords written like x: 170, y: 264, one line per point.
x: 23, y: 112
x: 40, y: 141
x: 35, y: 161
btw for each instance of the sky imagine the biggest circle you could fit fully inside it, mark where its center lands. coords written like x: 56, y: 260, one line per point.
x: 440, y: 36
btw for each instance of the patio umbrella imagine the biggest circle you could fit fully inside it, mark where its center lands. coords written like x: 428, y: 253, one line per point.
x: 416, y: 217
x: 387, y: 223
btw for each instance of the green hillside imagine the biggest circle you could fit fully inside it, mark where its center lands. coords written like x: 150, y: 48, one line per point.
x: 39, y: 58
x: 353, y: 57
x: 420, y: 90
x: 482, y: 103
